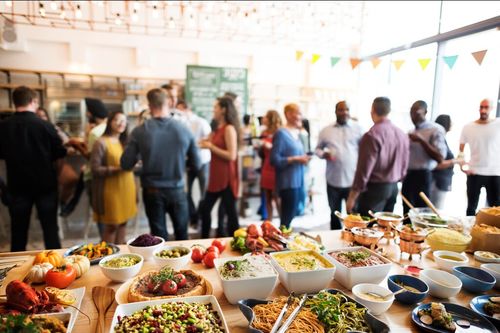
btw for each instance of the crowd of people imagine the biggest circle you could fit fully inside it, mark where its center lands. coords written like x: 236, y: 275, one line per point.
x: 171, y: 144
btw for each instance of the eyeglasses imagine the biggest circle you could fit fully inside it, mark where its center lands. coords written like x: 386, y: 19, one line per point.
x: 484, y: 107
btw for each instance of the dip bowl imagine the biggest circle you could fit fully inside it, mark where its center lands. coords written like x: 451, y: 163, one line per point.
x: 376, y: 307
x: 145, y: 251
x: 408, y: 297
x: 446, y: 260
x: 474, y: 279
x: 441, y: 284
x: 174, y: 263
x: 307, y: 280
x: 121, y: 274
x: 493, y: 269
x: 259, y: 286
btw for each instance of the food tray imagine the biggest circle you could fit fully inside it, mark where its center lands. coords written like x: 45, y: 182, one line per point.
x: 94, y: 261
x: 246, y: 307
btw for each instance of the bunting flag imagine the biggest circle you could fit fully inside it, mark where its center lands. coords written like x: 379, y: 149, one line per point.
x: 376, y: 62
x: 424, y: 63
x: 398, y: 64
x: 354, y: 62
x: 450, y: 60
x: 315, y: 57
x: 298, y: 55
x: 479, y: 56
x: 334, y: 60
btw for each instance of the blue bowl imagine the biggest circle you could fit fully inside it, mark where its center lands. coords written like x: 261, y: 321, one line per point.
x: 474, y: 279
x: 408, y: 297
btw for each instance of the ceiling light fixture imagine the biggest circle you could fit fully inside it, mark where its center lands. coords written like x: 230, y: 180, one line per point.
x: 135, y: 17
x: 78, y: 12
x: 171, y: 23
x: 118, y: 20
x: 41, y: 9
x: 63, y: 13
x: 155, y: 12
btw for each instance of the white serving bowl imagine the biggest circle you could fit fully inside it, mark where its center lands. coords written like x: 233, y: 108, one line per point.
x: 174, y: 263
x: 307, y: 281
x: 351, y: 276
x: 441, y: 284
x: 376, y: 307
x: 145, y: 251
x: 124, y: 273
x: 447, y: 264
x: 493, y: 269
x: 253, y: 287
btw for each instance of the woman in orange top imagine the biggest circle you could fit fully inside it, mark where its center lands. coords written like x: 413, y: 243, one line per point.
x: 223, y: 181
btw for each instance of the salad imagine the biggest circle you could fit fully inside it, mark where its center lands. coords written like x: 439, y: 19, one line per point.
x: 172, y: 317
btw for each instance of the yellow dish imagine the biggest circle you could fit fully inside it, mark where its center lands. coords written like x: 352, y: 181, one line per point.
x: 302, y: 261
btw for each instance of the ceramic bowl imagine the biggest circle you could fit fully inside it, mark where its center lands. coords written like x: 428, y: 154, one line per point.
x: 408, y: 297
x: 375, y: 307
x: 474, y: 279
x: 145, y: 251
x: 121, y: 274
x: 174, y: 263
x: 493, y: 269
x: 442, y: 259
x: 441, y: 284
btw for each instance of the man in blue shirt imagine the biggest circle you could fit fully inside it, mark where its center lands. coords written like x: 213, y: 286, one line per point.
x: 427, y: 150
x: 163, y: 145
x: 338, y: 144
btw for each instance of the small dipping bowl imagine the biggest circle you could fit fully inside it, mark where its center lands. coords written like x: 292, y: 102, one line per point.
x: 446, y: 260
x: 408, y: 297
x: 375, y: 307
x: 441, y: 284
x: 474, y: 279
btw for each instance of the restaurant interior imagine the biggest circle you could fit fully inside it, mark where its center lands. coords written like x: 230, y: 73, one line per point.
x: 430, y: 262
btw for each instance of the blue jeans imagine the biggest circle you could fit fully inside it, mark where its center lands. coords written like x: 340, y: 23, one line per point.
x: 158, y: 202
x: 290, y: 199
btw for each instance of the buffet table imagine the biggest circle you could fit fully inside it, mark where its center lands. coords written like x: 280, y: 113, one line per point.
x: 397, y: 317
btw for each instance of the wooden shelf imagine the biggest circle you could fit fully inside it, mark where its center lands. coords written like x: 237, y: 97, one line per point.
x: 14, y: 86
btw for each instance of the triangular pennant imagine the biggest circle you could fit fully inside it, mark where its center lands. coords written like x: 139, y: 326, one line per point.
x: 450, y: 60
x: 354, y: 62
x: 334, y: 60
x: 315, y: 57
x: 479, y: 56
x: 376, y: 62
x: 424, y: 63
x: 298, y: 55
x: 398, y: 64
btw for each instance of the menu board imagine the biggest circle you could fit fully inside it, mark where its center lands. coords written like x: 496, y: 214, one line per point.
x: 204, y: 84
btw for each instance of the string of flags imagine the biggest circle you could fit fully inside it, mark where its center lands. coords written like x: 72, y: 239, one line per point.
x: 450, y: 60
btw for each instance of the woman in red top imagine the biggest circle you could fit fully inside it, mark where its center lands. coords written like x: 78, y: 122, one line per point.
x: 223, y: 180
x: 272, y: 121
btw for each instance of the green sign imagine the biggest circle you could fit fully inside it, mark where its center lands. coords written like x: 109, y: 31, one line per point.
x: 204, y: 84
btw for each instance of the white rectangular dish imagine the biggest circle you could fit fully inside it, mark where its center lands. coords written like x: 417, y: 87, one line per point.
x: 128, y: 309
x: 249, y: 287
x: 306, y: 281
x: 79, y: 293
x: 351, y: 276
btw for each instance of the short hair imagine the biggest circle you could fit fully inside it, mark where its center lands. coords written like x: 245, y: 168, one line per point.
x: 40, y: 109
x: 231, y: 95
x: 156, y: 98
x: 340, y: 102
x: 445, y: 121
x: 167, y: 86
x: 291, y: 107
x: 182, y: 102
x: 421, y: 104
x: 246, y: 119
x: 381, y: 106
x: 23, y: 96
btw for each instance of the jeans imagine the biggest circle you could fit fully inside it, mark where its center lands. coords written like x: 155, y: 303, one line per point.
x: 192, y: 175
x: 290, y: 199
x: 229, y: 202
x: 474, y: 185
x: 416, y: 181
x: 20, y: 214
x: 378, y: 197
x: 335, y: 197
x: 158, y: 202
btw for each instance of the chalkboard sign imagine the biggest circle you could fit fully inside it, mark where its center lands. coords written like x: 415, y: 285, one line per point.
x: 204, y: 84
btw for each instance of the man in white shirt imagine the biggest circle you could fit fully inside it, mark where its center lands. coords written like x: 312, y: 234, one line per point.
x: 483, y: 138
x: 338, y: 144
x: 201, y: 130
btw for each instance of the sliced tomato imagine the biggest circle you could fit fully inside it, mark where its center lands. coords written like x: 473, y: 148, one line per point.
x: 60, y: 277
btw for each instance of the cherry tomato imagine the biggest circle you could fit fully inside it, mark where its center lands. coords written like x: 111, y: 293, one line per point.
x: 208, y: 260
x: 169, y: 287
x: 213, y: 249
x: 60, y: 277
x: 197, y: 254
x: 220, y: 244
x: 180, y: 279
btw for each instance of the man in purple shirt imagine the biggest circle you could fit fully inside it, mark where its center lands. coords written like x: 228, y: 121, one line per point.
x: 382, y: 162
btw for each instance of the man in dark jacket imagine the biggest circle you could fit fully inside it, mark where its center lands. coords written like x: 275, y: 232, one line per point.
x: 32, y: 151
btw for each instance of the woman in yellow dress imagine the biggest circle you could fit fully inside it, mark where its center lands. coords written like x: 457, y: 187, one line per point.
x: 113, y: 189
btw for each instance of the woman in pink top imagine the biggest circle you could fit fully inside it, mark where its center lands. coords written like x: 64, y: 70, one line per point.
x: 223, y: 180
x: 272, y: 121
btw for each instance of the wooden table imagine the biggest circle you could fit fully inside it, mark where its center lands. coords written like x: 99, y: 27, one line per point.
x: 397, y: 317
